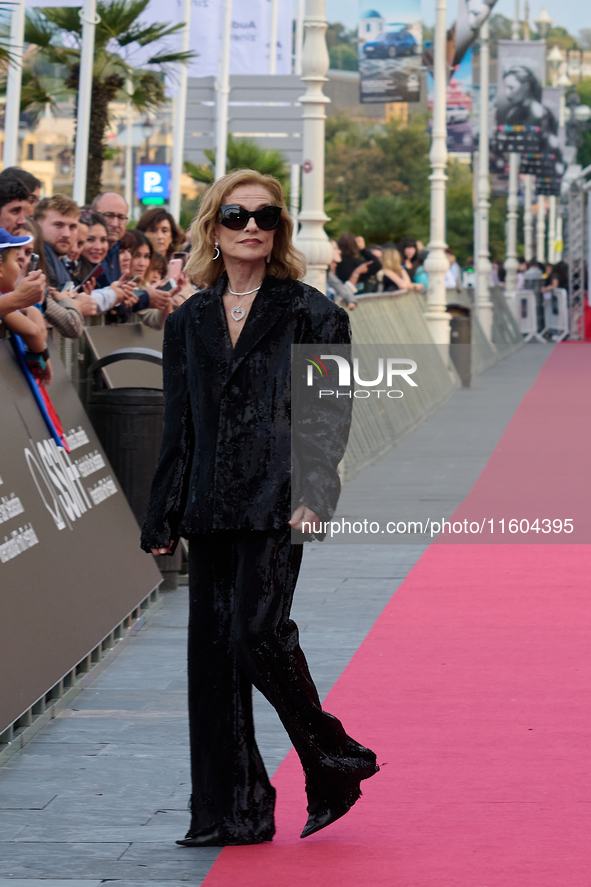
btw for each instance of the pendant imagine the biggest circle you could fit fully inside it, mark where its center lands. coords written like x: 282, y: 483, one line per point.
x: 237, y: 313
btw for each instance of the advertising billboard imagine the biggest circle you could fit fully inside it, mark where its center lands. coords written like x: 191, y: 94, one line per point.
x: 459, y: 108
x: 471, y: 15
x: 390, y: 50
x: 524, y: 125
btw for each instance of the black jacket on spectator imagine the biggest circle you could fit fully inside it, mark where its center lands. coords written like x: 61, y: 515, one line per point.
x: 57, y: 273
x: 347, y: 266
x: 226, y: 456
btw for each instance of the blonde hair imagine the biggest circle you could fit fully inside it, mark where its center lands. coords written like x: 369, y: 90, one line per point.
x: 392, y: 261
x: 60, y: 203
x: 202, y: 269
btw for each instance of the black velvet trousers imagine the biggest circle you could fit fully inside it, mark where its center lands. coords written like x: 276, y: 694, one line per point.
x: 240, y: 635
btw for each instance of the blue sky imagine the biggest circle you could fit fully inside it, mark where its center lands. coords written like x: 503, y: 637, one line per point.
x: 573, y: 15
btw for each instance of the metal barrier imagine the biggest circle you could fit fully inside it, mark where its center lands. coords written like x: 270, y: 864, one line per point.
x: 556, y: 316
x: 527, y: 314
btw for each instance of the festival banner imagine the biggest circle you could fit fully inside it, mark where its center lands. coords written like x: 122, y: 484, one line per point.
x: 390, y: 50
x: 524, y: 125
x: 459, y: 107
x: 249, y: 37
x: 471, y: 15
x: 249, y: 40
x: 547, y: 165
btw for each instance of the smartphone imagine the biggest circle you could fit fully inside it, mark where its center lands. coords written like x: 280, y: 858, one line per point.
x: 175, y: 266
x: 33, y: 262
x: 96, y: 272
x: 135, y: 279
x: 182, y: 256
x: 168, y: 286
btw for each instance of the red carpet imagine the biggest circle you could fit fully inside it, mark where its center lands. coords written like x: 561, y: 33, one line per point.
x: 474, y: 689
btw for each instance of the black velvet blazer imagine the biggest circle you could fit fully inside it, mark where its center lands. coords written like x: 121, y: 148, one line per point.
x: 226, y: 457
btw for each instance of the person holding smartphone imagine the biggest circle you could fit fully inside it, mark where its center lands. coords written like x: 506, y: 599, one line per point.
x: 153, y: 301
x: 93, y: 254
x: 62, y: 312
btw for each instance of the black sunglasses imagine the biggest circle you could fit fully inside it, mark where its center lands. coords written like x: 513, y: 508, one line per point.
x: 237, y: 217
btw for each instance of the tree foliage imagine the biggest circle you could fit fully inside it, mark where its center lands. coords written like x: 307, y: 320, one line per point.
x: 342, y: 47
x: 243, y: 154
x: 52, y: 68
x: 365, y: 159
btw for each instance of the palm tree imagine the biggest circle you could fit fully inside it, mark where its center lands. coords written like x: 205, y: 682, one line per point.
x: 243, y: 154
x: 55, y: 35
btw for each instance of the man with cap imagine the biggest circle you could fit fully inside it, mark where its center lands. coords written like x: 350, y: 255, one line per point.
x: 27, y: 322
x: 30, y: 290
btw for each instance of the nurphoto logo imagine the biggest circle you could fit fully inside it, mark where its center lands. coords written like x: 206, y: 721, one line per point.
x: 387, y: 370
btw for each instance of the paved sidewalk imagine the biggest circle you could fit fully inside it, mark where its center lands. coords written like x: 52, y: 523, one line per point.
x: 101, y: 793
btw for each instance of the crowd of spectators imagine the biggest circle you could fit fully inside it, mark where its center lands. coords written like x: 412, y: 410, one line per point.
x: 356, y: 270
x: 61, y: 263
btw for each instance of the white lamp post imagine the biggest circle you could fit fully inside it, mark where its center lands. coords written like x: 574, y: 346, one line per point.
x: 551, y: 229
x: 180, y: 113
x: 541, y: 229
x: 436, y: 265
x: 312, y: 239
x: 511, y: 264
x: 222, y: 87
x: 528, y: 218
x: 543, y: 22
x: 13, y: 84
x: 484, y: 308
x: 89, y: 22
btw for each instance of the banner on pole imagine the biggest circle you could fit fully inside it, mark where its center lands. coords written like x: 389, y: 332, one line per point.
x: 39, y: 4
x: 249, y: 40
x: 523, y: 123
x: 390, y: 49
x: 459, y: 107
x: 471, y: 16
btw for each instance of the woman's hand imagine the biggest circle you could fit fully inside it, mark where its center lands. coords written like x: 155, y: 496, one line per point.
x: 157, y: 551
x: 302, y: 515
x: 123, y: 291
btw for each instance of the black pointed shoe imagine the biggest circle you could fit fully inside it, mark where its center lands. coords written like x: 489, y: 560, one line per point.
x: 211, y: 838
x: 215, y: 837
x: 333, y: 792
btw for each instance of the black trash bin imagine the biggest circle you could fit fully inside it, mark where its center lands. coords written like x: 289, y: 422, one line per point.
x: 128, y: 422
x: 460, y: 351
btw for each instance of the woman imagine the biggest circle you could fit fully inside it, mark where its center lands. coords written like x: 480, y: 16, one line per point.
x: 408, y: 249
x: 93, y: 227
x: 135, y: 258
x: 522, y: 105
x: 352, y: 256
x: 393, y: 275
x: 346, y: 292
x: 161, y: 229
x: 127, y: 245
x: 224, y: 481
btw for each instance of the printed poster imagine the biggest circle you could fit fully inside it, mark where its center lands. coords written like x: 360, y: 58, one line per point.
x: 390, y: 51
x: 471, y: 15
x: 459, y: 110
x: 524, y: 125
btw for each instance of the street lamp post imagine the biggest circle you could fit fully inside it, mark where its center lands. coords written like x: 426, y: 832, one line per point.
x: 484, y: 308
x: 312, y: 239
x: 436, y: 264
x: 511, y: 264
x: 541, y: 229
